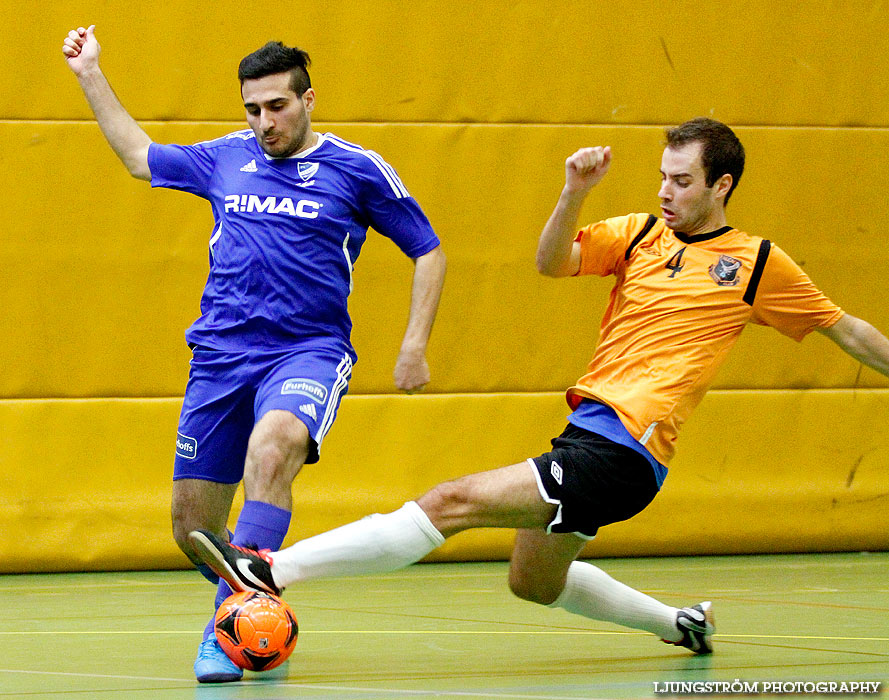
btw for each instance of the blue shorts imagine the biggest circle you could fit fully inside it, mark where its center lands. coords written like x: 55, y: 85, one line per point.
x: 229, y: 392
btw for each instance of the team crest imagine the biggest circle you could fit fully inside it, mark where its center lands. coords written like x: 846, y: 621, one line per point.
x: 725, y: 271
x: 307, y: 170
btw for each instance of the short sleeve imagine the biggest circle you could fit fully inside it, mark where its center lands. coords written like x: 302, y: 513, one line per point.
x: 603, y: 244
x: 391, y: 210
x: 788, y: 301
x: 186, y: 168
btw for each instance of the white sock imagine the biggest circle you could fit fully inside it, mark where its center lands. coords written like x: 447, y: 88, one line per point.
x: 374, y: 544
x: 592, y: 593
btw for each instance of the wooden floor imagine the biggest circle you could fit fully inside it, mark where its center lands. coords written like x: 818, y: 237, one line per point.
x: 451, y: 631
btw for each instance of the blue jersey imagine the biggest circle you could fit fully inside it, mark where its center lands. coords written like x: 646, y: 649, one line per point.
x: 287, y: 233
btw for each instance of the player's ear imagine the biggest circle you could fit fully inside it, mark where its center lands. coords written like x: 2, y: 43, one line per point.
x: 308, y: 98
x: 722, y: 186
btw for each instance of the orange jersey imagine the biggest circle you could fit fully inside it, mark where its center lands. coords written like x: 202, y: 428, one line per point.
x: 677, y: 307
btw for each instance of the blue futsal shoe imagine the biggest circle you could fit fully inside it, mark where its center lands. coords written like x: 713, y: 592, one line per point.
x: 213, y: 666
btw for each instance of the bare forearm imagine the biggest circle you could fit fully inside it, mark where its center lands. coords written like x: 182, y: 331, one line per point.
x: 123, y: 134
x: 870, y: 347
x: 554, y: 249
x: 411, y: 369
x: 428, y: 281
x: 81, y: 50
x: 861, y: 340
x: 557, y: 253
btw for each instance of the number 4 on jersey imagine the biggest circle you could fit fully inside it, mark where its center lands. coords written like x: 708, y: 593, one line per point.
x: 675, y: 263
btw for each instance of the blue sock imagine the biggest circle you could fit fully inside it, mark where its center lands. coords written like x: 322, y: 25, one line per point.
x: 260, y: 524
x: 208, y: 573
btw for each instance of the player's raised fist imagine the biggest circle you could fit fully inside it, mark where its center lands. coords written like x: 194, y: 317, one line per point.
x: 81, y: 49
x: 587, y: 167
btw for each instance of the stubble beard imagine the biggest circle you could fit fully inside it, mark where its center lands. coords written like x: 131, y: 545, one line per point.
x: 295, y: 145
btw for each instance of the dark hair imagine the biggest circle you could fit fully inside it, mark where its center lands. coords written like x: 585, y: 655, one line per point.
x: 273, y: 58
x: 721, y: 150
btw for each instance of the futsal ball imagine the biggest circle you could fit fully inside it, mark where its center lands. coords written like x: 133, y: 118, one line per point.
x: 257, y: 631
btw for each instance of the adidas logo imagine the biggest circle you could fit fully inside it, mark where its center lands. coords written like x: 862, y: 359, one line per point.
x: 250, y: 167
x: 309, y: 410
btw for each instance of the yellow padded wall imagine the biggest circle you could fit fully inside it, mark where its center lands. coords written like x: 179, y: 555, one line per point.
x: 558, y: 62
x: 766, y: 471
x: 103, y: 274
x: 477, y: 105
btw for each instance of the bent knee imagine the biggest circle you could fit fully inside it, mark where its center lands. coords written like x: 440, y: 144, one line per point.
x: 448, y: 500
x: 277, y: 448
x: 266, y: 460
x: 450, y: 506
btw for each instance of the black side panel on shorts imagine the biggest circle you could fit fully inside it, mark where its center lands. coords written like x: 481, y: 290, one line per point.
x: 758, y: 267
x: 638, y: 239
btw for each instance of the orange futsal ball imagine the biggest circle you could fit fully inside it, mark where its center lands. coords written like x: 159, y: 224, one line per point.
x: 257, y: 631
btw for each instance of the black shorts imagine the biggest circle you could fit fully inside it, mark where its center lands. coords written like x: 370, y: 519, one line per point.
x: 594, y: 480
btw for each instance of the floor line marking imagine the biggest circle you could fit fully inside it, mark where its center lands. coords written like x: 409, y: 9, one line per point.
x: 95, y: 675
x: 593, y: 633
x: 434, y: 693
x: 309, y: 686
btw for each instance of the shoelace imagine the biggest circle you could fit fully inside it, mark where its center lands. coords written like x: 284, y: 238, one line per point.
x: 210, y: 648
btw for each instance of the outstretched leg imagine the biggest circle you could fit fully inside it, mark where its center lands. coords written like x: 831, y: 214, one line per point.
x: 543, y: 570
x: 543, y: 567
x: 505, y: 497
